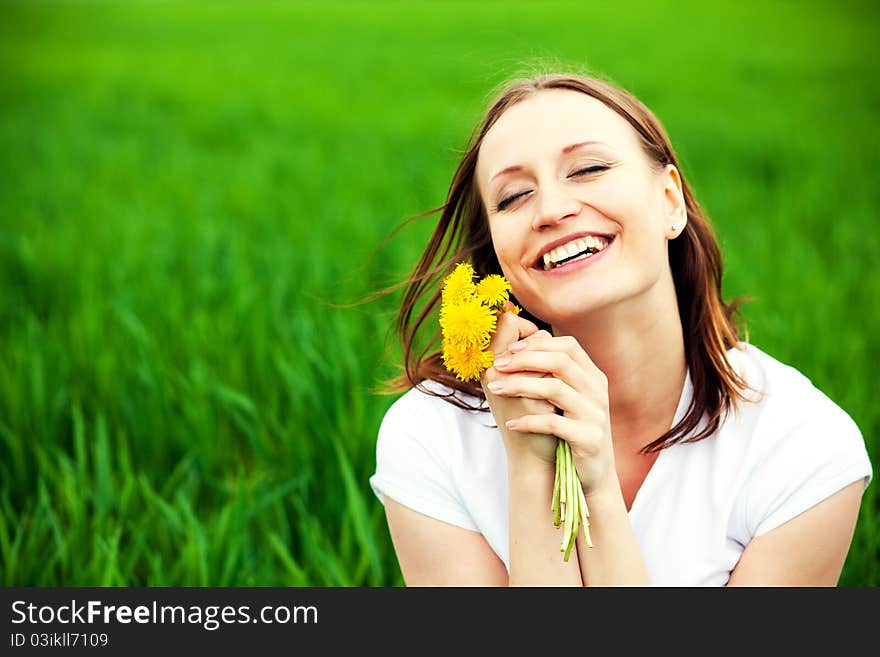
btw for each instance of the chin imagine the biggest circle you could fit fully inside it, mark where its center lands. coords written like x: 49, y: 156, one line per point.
x: 567, y: 313
x: 570, y: 309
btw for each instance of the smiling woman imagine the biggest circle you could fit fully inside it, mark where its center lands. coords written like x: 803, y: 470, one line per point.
x: 703, y: 460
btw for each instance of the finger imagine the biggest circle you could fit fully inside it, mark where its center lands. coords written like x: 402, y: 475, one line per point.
x: 566, y: 344
x: 548, y: 424
x: 537, y: 333
x: 510, y: 328
x: 525, y: 328
x: 556, y: 363
x: 550, y: 389
x: 543, y: 333
x: 492, y: 373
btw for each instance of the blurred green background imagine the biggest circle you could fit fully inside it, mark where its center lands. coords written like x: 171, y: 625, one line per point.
x: 186, y: 187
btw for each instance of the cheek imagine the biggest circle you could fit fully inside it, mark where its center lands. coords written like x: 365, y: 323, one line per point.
x: 640, y: 217
x: 628, y: 193
x: 633, y: 204
x: 508, y: 266
x: 505, y: 246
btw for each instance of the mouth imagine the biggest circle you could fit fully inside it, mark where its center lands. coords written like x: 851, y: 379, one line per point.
x: 576, y: 249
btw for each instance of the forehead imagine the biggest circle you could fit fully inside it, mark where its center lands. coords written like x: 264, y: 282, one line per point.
x: 547, y: 122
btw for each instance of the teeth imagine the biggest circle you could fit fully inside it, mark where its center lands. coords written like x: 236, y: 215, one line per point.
x: 595, y: 244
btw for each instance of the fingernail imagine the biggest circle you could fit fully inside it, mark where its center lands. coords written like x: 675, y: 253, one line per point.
x: 503, y: 361
x: 512, y: 424
x: 496, y: 386
x: 517, y: 346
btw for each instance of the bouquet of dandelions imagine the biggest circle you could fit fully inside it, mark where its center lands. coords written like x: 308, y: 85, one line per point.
x: 469, y: 312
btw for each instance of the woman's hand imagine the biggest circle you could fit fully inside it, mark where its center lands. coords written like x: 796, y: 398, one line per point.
x: 557, y: 371
x: 511, y: 328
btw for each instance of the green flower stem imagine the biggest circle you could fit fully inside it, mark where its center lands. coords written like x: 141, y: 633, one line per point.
x: 554, y: 505
x: 585, y: 515
x: 569, y: 504
x: 571, y: 507
x: 575, y: 508
x: 563, y: 490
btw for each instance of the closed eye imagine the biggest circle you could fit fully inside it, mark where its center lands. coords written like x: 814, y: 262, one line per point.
x: 502, y: 204
x: 596, y: 168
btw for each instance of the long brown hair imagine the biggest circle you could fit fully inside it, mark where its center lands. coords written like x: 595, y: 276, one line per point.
x: 710, y: 326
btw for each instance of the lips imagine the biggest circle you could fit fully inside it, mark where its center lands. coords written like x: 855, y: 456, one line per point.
x: 577, y: 263
x: 567, y: 247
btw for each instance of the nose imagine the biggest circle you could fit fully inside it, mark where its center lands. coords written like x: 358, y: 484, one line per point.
x: 554, y: 204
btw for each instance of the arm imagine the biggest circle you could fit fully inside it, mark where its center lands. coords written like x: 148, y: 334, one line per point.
x: 535, y: 559
x: 436, y: 541
x: 434, y: 553
x: 615, y: 558
x: 572, y: 383
x: 808, y: 550
x: 431, y: 552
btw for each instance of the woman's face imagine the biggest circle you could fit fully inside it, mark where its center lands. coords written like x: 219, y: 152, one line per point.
x: 579, y: 217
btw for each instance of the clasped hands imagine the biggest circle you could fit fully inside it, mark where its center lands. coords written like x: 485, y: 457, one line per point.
x: 543, y: 387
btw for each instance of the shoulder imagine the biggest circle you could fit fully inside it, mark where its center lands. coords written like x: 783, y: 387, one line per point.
x: 426, y: 449
x: 435, y: 415
x: 434, y: 395
x: 783, y: 397
x: 796, y: 445
x: 436, y: 401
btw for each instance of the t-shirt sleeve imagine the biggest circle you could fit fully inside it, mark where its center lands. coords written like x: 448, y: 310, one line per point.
x: 800, y: 466
x: 413, y: 464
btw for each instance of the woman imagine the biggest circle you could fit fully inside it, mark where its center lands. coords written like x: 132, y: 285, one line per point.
x: 703, y: 460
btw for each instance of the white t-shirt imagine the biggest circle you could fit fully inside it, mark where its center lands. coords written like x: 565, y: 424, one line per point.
x: 700, y: 504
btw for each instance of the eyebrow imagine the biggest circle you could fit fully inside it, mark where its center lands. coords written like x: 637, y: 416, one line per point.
x: 565, y: 151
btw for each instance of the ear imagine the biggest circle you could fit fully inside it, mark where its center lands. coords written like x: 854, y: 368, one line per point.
x: 675, y: 208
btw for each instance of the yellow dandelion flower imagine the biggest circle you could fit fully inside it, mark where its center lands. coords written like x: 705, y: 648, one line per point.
x: 493, y: 290
x: 468, y: 323
x: 468, y: 316
x: 459, y: 285
x: 466, y: 363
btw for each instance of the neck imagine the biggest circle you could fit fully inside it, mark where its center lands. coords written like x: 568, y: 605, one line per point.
x: 639, y: 346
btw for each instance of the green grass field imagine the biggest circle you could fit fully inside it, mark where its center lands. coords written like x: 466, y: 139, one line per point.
x: 187, y: 188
